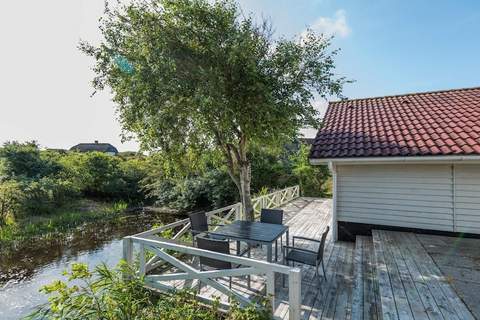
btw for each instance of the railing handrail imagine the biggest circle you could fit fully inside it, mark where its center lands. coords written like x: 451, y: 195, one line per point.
x: 184, y: 248
x: 237, y: 205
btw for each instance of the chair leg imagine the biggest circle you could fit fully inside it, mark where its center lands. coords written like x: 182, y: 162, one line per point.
x: 324, y: 273
x: 230, y: 283
x: 249, y: 277
x: 281, y: 243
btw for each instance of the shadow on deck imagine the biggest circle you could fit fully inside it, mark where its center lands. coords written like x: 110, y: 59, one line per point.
x: 388, y: 276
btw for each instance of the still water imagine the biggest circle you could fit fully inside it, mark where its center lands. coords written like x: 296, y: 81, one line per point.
x: 33, y: 265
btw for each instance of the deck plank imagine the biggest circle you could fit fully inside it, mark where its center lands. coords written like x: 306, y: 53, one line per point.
x: 452, y: 301
x: 409, y: 294
x: 426, y: 296
x: 370, y: 288
x: 358, y: 284
x: 388, y: 307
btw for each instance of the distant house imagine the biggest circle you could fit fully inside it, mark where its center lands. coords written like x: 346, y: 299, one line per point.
x: 96, y: 146
x: 403, y: 162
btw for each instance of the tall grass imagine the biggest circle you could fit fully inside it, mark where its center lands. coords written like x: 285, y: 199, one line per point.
x: 61, y: 221
x: 119, y: 295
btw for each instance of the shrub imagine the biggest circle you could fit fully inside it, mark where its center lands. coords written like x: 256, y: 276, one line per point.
x: 102, y: 176
x: 211, y: 189
x: 23, y: 160
x: 42, y: 196
x: 10, y: 200
x: 117, y: 294
x: 313, y: 180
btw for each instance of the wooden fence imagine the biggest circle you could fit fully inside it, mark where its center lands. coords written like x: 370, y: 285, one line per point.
x: 160, y: 251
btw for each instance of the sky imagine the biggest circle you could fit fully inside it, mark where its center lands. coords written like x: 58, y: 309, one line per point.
x: 387, y: 47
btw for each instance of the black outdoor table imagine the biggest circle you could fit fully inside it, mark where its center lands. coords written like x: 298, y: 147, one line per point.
x: 253, y: 233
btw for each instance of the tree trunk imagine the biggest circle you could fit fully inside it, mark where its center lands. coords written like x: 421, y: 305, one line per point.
x: 245, y: 195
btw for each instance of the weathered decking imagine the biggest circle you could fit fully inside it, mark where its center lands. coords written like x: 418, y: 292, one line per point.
x: 391, y: 275
x: 349, y: 291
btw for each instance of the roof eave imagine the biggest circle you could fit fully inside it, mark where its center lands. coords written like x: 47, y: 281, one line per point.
x: 410, y: 159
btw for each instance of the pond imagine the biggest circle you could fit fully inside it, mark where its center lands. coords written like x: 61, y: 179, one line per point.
x: 33, y: 265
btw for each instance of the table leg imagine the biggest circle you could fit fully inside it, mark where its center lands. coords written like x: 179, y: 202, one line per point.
x: 238, y: 248
x: 249, y: 277
x: 288, y: 237
x: 269, y: 252
x: 276, y: 250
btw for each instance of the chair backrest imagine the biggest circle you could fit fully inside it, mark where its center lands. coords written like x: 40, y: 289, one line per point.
x: 322, y: 244
x: 220, y: 246
x: 198, y: 222
x: 274, y: 216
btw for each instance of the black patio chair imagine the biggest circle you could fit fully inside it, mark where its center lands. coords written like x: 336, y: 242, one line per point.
x: 273, y: 216
x: 306, y: 256
x: 220, y: 246
x: 199, y: 224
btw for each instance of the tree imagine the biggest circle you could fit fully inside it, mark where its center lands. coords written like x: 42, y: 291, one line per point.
x: 195, y: 75
x: 311, y: 179
x: 24, y: 161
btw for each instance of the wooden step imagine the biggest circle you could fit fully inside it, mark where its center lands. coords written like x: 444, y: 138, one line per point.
x: 365, y: 289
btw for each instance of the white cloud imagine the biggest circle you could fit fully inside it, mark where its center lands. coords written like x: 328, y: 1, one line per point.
x: 331, y: 26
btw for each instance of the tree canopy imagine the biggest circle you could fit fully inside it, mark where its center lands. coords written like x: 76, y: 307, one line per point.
x: 195, y: 75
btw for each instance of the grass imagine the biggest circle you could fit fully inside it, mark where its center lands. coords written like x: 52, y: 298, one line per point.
x: 116, y: 294
x: 61, y: 221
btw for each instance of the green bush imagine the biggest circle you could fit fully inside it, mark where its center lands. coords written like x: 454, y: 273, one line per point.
x: 102, y: 176
x: 44, y: 195
x: 23, y: 160
x: 211, y: 189
x: 117, y: 294
x: 11, y: 198
x: 313, y: 180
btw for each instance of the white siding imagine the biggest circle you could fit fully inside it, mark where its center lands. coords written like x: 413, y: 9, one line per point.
x: 403, y: 195
x: 467, y: 198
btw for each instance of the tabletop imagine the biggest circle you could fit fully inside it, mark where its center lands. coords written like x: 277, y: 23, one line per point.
x: 251, y: 230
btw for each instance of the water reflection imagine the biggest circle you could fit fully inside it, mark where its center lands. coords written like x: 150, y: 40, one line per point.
x: 32, y: 265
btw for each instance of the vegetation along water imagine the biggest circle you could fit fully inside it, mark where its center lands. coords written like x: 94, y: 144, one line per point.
x: 103, y: 198
x: 220, y: 124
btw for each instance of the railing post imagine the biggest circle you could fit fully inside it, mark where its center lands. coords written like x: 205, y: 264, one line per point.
x: 294, y: 293
x: 142, y: 269
x: 238, y: 212
x: 128, y: 250
x: 127, y: 244
x: 271, y: 289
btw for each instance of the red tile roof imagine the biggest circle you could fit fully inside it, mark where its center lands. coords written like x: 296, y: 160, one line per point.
x: 420, y: 124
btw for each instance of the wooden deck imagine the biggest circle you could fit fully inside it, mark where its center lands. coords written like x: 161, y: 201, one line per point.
x: 388, y: 276
x: 412, y: 286
x: 349, y: 291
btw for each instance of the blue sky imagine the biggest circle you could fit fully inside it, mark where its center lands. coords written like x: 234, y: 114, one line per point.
x: 387, y: 46
x: 392, y: 46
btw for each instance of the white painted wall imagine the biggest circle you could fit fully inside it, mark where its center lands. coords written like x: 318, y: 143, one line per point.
x: 467, y: 198
x: 403, y: 195
x: 442, y: 197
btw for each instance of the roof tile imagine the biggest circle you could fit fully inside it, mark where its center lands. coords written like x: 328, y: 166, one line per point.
x: 431, y: 123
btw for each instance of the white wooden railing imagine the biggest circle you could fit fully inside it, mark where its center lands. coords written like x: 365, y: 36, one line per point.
x: 275, y: 199
x: 163, y: 251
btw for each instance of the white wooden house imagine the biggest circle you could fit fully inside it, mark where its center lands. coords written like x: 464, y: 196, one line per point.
x: 404, y: 162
